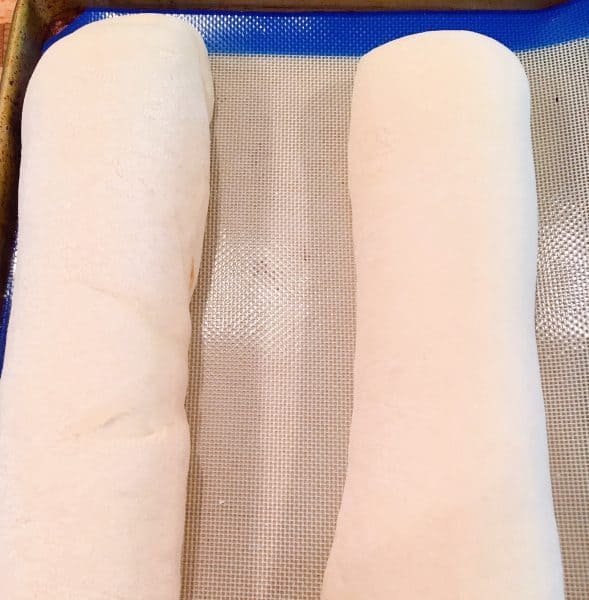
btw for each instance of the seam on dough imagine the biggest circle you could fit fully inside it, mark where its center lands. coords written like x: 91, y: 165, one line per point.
x: 132, y: 305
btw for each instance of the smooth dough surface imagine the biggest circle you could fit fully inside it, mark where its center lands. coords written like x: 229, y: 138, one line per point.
x: 448, y: 492
x: 114, y: 187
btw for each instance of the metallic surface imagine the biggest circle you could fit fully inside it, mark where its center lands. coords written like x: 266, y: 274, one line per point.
x: 270, y: 391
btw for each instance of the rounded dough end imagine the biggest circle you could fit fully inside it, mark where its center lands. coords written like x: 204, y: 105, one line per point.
x: 159, y: 24
x: 465, y: 44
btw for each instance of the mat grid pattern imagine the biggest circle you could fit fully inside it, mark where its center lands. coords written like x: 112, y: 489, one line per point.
x: 270, y: 391
x: 271, y: 362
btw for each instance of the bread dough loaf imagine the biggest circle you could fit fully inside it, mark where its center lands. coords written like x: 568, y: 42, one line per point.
x: 448, y: 492
x: 114, y: 188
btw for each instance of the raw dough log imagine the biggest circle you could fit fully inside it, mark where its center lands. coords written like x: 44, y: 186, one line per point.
x: 114, y: 188
x: 448, y: 491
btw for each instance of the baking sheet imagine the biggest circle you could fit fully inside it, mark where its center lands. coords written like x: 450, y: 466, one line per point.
x: 270, y: 392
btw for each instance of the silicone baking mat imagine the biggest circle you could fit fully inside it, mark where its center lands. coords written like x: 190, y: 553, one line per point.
x: 270, y: 394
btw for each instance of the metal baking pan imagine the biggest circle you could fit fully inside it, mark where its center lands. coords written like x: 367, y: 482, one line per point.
x: 270, y: 394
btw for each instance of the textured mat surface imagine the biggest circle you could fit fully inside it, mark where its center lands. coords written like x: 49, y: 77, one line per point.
x: 271, y: 365
x: 270, y: 393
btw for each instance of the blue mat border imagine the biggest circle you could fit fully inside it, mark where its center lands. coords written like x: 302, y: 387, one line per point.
x: 355, y: 33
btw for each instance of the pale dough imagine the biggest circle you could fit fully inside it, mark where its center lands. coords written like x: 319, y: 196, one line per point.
x: 448, y: 492
x: 114, y: 188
